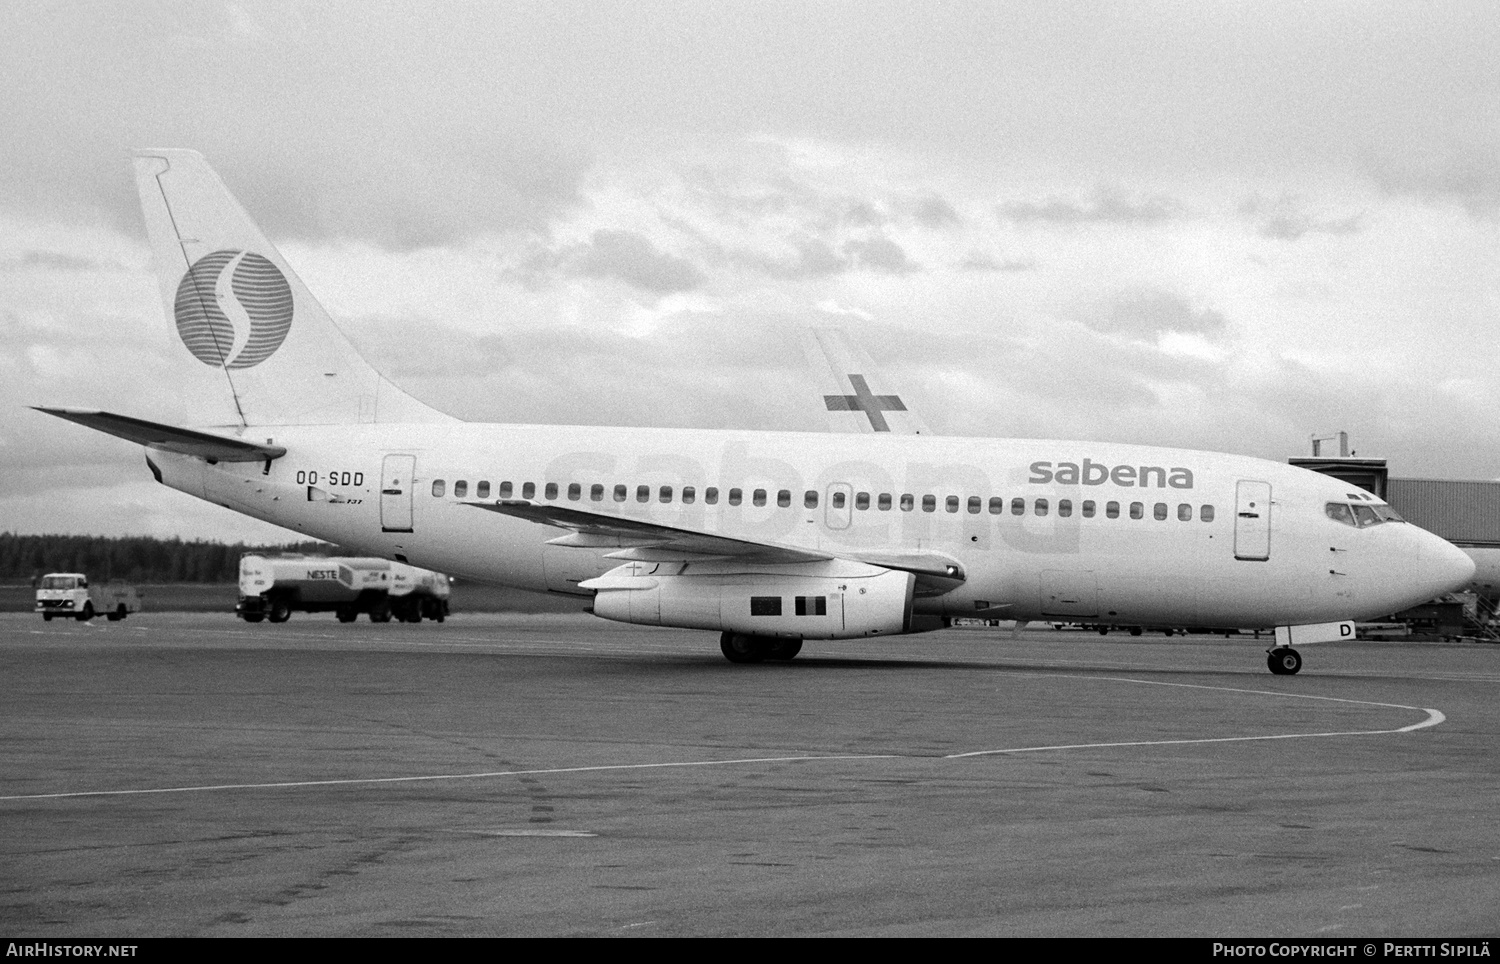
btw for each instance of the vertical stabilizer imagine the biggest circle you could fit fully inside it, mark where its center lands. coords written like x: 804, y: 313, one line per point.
x: 859, y: 397
x: 254, y: 344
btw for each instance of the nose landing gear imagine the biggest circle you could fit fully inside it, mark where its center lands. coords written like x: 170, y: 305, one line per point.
x: 1283, y: 661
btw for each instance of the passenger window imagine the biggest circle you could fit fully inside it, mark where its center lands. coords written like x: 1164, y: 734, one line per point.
x: 1206, y: 513
x: 810, y: 499
x: 758, y: 497
x: 643, y: 493
x: 1184, y: 512
x: 997, y: 505
x: 1064, y: 507
x: 908, y: 502
x: 1159, y: 511
x: 951, y: 503
x: 575, y: 491
x: 1088, y: 508
x: 736, y: 497
x: 551, y: 490
x: 1137, y: 510
x: 460, y: 489
x: 1112, y: 510
x: 1339, y: 512
x: 621, y: 493
x: 439, y: 487
x: 665, y: 494
x: 482, y: 491
x: 784, y: 497
x: 711, y: 495
x: 1041, y: 506
x: 839, y: 499
x: 1017, y: 506
x: 929, y: 503
x: 862, y: 501
x: 975, y: 504
x: 505, y: 490
x: 689, y: 495
x: 528, y: 490
x: 596, y: 492
x: 885, y: 502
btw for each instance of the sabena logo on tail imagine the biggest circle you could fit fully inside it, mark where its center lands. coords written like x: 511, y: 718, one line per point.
x: 233, y: 309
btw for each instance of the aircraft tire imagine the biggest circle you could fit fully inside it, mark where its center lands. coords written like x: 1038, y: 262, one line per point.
x: 783, y: 649
x: 740, y: 648
x: 1284, y: 661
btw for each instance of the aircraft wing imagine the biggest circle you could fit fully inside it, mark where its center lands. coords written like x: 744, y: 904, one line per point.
x: 644, y: 541
x: 652, y: 542
x: 851, y: 383
x: 185, y: 441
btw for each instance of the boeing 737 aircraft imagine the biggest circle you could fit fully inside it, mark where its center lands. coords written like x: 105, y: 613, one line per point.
x: 768, y: 538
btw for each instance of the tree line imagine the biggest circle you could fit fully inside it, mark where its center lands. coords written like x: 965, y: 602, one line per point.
x: 135, y: 558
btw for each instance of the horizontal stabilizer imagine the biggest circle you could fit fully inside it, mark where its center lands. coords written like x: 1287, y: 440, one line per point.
x: 170, y: 438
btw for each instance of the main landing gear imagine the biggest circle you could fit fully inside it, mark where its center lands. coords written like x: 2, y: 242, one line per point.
x: 1283, y: 661
x: 740, y: 648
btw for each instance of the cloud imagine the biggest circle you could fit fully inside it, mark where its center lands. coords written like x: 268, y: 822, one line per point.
x: 1469, y: 178
x: 1281, y: 219
x: 978, y: 261
x: 52, y: 260
x: 630, y: 257
x: 625, y: 256
x: 1108, y: 206
x: 1152, y: 310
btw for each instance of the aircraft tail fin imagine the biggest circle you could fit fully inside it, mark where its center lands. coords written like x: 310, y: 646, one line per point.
x: 852, y: 404
x: 252, y: 339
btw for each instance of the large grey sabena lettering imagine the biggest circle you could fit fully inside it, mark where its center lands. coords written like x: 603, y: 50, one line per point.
x: 1097, y: 473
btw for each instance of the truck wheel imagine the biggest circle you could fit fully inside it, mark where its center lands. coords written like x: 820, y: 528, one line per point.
x: 253, y: 617
x: 281, y: 611
x: 87, y: 614
x: 46, y: 617
x: 347, y: 615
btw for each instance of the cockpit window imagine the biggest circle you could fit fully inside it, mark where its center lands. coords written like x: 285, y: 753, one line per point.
x: 1361, y: 516
x: 1339, y: 512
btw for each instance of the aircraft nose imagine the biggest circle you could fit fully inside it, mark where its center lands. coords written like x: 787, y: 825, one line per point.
x: 1442, y: 565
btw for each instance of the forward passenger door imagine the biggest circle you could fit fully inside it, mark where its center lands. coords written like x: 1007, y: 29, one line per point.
x: 1252, y: 521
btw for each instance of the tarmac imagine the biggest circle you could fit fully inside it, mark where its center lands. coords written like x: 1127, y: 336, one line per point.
x: 191, y: 775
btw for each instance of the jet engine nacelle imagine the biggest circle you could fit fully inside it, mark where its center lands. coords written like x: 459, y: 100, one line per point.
x: 837, y: 599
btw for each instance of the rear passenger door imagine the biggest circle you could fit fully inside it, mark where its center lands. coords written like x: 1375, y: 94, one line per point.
x: 396, y: 488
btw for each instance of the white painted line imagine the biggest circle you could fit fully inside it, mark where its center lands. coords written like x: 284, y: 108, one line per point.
x: 1434, y: 717
x: 365, y: 781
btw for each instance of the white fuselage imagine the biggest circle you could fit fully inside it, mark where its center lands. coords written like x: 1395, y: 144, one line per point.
x: 1215, y: 559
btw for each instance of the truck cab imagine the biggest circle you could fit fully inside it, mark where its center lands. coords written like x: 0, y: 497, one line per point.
x: 69, y: 594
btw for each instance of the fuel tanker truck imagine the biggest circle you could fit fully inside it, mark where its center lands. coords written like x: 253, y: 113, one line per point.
x: 272, y: 587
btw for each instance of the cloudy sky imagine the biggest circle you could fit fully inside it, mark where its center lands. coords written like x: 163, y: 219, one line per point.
x: 1215, y: 225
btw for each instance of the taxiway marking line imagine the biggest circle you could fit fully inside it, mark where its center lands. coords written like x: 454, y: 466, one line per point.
x: 288, y: 784
x: 1434, y: 717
